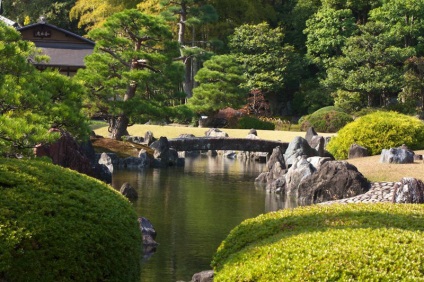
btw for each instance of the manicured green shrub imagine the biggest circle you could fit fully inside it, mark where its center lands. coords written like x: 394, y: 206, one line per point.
x: 59, y: 225
x: 377, y: 131
x: 248, y: 122
x: 327, y: 119
x: 358, y: 242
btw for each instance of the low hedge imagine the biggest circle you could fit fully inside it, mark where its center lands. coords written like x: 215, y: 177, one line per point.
x: 377, y: 131
x: 249, y: 122
x: 357, y: 242
x: 59, y: 225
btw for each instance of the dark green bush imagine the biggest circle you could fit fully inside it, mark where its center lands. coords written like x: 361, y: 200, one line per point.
x: 248, y: 122
x: 378, y: 131
x: 59, y: 225
x: 361, y: 242
x: 328, y: 119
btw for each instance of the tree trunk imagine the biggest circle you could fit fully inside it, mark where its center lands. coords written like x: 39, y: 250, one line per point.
x: 187, y: 83
x: 119, y: 127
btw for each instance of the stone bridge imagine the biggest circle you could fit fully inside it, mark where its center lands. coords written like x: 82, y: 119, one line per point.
x: 225, y: 143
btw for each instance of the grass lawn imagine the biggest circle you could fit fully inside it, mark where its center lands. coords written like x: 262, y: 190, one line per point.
x: 370, y: 167
x: 173, y: 131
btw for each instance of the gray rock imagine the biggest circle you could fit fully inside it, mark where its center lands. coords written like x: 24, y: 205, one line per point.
x: 296, y: 173
x: 215, y: 132
x: 310, y: 133
x: 318, y: 161
x: 128, y: 191
x: 298, y: 147
x: 397, y: 156
x: 253, y: 132
x: 204, y: 276
x: 106, y: 161
x: 357, y: 151
x: 409, y: 190
x: 333, y: 181
x: 262, y: 178
x: 149, y: 138
x: 277, y: 156
x: 134, y: 163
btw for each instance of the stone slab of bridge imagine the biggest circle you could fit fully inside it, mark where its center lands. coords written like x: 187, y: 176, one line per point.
x: 225, y: 143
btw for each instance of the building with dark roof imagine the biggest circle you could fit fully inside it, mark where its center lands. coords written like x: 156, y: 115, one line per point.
x: 65, y: 49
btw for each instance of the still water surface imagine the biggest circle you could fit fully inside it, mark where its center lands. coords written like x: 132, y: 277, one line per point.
x: 193, y: 208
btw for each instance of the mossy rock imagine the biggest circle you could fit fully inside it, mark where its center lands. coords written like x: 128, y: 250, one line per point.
x: 357, y: 242
x: 59, y: 225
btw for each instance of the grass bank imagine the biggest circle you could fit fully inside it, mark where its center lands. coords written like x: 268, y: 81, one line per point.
x: 359, y: 242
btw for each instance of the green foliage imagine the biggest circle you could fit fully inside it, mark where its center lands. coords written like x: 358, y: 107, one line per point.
x: 32, y: 101
x: 270, y: 64
x: 327, y: 119
x: 358, y: 242
x: 67, y: 228
x: 378, y: 131
x: 131, y: 72
x: 327, y: 31
x: 248, y: 122
x: 311, y: 97
x: 219, y: 88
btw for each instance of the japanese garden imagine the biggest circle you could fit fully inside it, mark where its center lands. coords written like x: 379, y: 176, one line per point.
x: 169, y: 140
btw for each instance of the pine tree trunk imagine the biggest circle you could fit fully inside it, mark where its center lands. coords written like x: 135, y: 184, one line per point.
x: 119, y: 127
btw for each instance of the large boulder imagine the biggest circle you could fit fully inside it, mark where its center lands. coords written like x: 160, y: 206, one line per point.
x: 357, y: 151
x: 397, y: 156
x: 409, y: 190
x: 334, y: 180
x: 296, y: 173
x: 297, y: 148
x: 67, y: 152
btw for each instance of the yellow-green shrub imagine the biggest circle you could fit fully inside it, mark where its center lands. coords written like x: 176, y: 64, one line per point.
x: 59, y: 225
x: 377, y: 131
x: 358, y: 242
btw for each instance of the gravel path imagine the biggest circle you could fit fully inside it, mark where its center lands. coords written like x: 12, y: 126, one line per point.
x: 379, y: 192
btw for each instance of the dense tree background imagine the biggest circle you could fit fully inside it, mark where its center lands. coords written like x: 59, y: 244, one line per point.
x: 299, y: 54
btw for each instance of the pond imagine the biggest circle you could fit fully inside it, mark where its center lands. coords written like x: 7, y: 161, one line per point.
x: 193, y: 208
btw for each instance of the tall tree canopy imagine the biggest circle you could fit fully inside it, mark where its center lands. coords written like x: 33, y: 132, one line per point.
x: 29, y: 11
x: 31, y: 102
x: 220, y: 80
x: 131, y: 74
x: 269, y: 63
x: 93, y: 13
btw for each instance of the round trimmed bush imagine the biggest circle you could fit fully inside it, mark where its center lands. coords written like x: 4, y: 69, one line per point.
x: 59, y: 225
x: 328, y: 119
x: 358, y: 242
x: 378, y: 131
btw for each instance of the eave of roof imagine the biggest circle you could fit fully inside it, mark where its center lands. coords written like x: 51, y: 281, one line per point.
x: 56, y: 28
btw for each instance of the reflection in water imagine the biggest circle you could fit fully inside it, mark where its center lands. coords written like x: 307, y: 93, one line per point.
x: 193, y: 209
